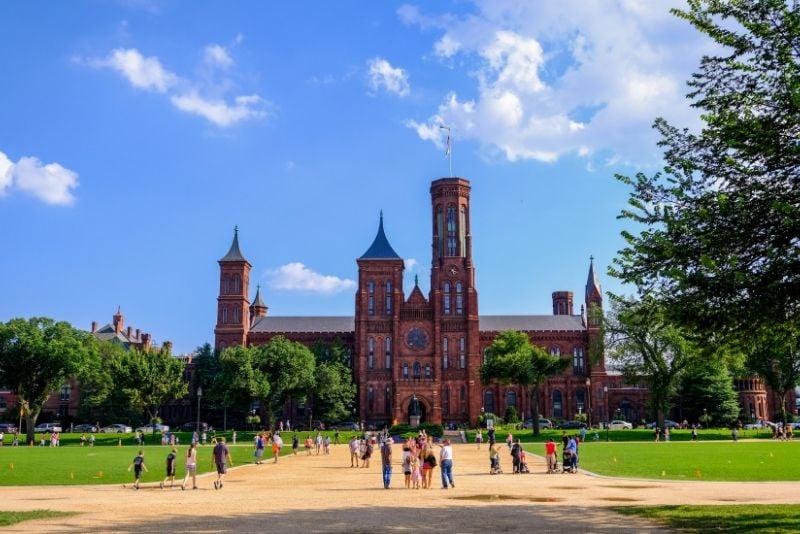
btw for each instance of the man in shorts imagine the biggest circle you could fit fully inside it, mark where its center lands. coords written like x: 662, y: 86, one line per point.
x: 171, y: 458
x: 220, y: 455
x: 138, y: 466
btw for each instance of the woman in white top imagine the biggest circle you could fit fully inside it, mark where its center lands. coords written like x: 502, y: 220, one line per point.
x: 191, y: 466
x: 446, y: 461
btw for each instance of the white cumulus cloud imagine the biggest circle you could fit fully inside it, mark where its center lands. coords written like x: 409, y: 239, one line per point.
x: 142, y: 72
x: 205, y: 97
x: 559, y: 77
x: 297, y: 277
x: 217, y: 56
x: 383, y: 75
x: 219, y: 111
x: 410, y: 263
x: 51, y: 183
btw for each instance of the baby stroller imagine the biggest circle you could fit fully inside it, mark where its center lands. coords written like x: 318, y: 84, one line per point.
x: 523, y: 464
x: 568, y: 462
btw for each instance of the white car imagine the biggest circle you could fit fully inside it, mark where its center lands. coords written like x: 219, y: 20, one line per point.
x: 116, y: 429
x: 47, y: 427
x: 619, y: 425
x: 149, y: 429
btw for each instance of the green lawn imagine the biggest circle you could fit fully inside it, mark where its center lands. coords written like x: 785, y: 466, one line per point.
x: 12, y: 518
x: 738, y: 518
x: 637, y: 434
x: 723, y: 460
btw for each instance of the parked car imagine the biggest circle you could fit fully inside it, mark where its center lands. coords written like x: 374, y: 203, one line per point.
x: 84, y: 427
x: 543, y: 424
x: 350, y: 425
x: 567, y: 425
x: 668, y: 423
x: 149, y: 429
x: 618, y: 424
x: 191, y: 426
x: 47, y: 427
x: 116, y: 428
x: 8, y: 428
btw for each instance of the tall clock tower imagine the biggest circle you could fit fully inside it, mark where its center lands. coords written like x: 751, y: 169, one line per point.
x: 454, y: 300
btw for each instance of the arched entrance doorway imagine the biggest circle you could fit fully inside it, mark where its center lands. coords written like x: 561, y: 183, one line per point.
x: 415, y: 406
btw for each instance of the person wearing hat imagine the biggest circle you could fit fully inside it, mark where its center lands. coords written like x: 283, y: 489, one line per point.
x: 386, y: 462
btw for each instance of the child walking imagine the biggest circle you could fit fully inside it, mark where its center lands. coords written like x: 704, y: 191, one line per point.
x: 416, y: 475
x: 137, y: 466
x: 171, y: 457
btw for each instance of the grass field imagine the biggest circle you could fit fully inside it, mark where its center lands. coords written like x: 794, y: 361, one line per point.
x: 724, y: 460
x: 12, y: 518
x: 739, y: 518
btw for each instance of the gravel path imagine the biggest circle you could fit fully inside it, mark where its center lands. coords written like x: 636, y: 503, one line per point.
x: 324, y: 494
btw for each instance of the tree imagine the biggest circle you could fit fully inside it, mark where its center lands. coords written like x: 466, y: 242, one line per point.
x: 334, y: 391
x: 776, y: 358
x: 289, y: 368
x: 149, y: 379
x: 719, y: 243
x: 705, y: 388
x: 37, y: 356
x: 513, y: 359
x: 648, y: 348
x: 239, y: 379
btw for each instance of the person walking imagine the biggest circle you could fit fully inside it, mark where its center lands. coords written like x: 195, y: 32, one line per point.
x: 550, y: 454
x: 295, y: 443
x: 446, y: 461
x: 171, y: 457
x: 386, y: 462
x: 191, y: 466
x: 479, y: 438
x: 354, y: 450
x: 259, y: 449
x: 222, y: 459
x: 277, y: 443
x: 137, y: 466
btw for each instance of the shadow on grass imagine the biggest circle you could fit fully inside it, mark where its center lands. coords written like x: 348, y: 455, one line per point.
x: 724, y: 518
x: 12, y: 518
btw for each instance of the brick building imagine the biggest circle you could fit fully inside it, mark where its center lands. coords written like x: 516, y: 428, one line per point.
x: 427, y: 350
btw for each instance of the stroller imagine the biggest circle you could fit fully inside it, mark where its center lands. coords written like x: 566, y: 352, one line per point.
x: 523, y: 464
x: 568, y: 463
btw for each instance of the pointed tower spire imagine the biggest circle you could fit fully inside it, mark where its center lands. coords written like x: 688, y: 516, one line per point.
x: 380, y: 248
x: 592, y: 285
x: 234, y: 254
x: 258, y: 308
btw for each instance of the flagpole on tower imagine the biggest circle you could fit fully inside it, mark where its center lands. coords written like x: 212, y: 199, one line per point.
x: 449, y: 149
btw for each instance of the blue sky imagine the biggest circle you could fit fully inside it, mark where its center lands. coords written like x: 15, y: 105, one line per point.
x: 136, y: 134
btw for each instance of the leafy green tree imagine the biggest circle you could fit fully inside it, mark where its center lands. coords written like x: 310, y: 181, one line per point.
x: 706, y: 388
x: 334, y: 392
x: 719, y: 243
x: 776, y: 358
x: 149, y: 379
x: 289, y: 369
x: 513, y: 359
x: 239, y: 379
x: 648, y: 348
x: 37, y: 356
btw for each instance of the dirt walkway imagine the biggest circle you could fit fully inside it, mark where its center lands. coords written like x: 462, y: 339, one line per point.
x: 324, y: 494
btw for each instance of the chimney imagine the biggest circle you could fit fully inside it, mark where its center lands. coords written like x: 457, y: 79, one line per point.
x: 146, y: 341
x: 94, y: 327
x: 138, y: 333
x: 130, y: 331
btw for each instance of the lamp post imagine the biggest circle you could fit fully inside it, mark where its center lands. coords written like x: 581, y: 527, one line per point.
x: 605, y: 394
x: 588, y: 402
x: 199, y: 396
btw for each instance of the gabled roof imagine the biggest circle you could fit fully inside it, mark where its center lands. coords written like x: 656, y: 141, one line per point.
x: 234, y: 254
x: 342, y: 324
x: 380, y: 248
x: 530, y: 323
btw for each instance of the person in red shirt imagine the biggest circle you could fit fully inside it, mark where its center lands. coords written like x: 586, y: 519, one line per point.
x: 550, y: 454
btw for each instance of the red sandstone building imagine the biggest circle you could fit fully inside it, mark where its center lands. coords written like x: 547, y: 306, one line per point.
x: 430, y: 348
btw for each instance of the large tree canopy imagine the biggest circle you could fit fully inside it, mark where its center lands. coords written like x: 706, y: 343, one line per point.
x: 289, y: 369
x: 648, y: 349
x: 37, y: 356
x: 334, y: 392
x: 513, y: 359
x: 721, y: 239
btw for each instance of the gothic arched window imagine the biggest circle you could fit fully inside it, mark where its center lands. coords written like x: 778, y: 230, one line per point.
x: 446, y: 297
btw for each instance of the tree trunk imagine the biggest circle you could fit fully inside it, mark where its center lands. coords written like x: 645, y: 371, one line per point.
x: 535, y: 408
x: 30, y: 422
